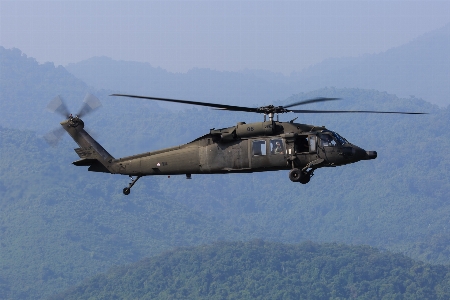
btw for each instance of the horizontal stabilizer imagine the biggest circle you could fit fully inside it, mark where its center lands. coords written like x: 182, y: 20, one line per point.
x: 93, y: 164
x: 85, y: 162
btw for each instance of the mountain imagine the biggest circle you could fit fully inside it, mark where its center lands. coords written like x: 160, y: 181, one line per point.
x: 197, y: 84
x: 261, y: 270
x: 26, y: 87
x: 60, y: 224
x: 420, y: 68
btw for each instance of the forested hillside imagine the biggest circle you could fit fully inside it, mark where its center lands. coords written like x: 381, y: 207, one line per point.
x: 26, y: 87
x: 60, y: 224
x: 261, y: 270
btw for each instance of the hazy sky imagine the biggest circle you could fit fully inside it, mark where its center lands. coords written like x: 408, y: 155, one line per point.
x: 281, y: 36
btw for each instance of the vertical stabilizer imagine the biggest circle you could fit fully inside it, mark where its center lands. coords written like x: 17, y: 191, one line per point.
x: 92, y: 154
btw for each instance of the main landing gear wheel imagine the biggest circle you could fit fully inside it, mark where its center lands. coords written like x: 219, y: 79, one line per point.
x: 126, y: 191
x: 305, y: 177
x: 294, y: 175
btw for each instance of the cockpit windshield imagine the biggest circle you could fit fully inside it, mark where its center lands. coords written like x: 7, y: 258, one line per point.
x: 331, y: 138
x: 341, y: 140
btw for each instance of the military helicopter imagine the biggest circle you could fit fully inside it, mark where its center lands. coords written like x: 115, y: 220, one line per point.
x: 244, y: 148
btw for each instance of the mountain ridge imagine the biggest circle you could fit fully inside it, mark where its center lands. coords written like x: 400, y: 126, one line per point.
x: 419, y: 68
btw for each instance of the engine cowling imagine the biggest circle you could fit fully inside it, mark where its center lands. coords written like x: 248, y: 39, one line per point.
x: 255, y: 129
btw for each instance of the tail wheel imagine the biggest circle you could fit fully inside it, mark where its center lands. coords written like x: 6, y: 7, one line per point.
x: 127, y: 190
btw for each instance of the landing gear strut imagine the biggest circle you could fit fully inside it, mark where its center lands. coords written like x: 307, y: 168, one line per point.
x: 127, y: 190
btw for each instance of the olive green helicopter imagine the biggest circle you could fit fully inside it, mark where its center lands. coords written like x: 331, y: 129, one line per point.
x: 244, y: 148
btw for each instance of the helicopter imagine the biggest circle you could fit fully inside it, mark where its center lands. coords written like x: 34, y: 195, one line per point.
x: 269, y: 145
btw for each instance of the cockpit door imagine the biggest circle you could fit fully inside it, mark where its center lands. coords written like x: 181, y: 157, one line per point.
x: 329, y: 147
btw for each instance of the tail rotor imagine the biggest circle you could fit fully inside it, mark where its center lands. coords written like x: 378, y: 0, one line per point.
x: 57, y: 105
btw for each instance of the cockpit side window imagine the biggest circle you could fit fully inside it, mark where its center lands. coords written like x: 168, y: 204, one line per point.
x: 312, y: 144
x: 259, y: 147
x: 276, y: 146
x: 326, y: 140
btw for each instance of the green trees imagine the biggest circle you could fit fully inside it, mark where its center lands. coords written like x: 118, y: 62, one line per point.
x: 262, y: 270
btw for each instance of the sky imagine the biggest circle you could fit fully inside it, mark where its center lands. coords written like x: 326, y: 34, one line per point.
x: 278, y: 36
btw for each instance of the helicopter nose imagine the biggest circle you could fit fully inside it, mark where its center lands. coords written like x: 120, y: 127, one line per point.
x: 361, y: 154
x: 370, y: 155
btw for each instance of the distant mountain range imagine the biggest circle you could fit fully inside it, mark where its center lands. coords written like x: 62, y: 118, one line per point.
x: 197, y: 84
x: 420, y: 68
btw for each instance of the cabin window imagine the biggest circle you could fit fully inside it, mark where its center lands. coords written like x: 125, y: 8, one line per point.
x: 259, y: 147
x: 276, y: 146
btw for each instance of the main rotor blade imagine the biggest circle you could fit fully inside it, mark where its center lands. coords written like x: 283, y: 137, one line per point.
x: 90, y: 104
x: 308, y: 101
x: 215, y: 105
x: 266, y: 109
x: 300, y: 111
x: 57, y: 105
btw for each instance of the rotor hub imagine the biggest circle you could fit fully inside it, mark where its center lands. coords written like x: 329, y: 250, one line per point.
x: 271, y: 109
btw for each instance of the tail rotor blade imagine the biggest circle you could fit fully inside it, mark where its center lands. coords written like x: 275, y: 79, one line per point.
x: 90, y: 104
x: 54, y: 136
x: 57, y: 105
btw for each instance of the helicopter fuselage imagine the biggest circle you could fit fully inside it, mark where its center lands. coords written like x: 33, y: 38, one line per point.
x: 244, y: 148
